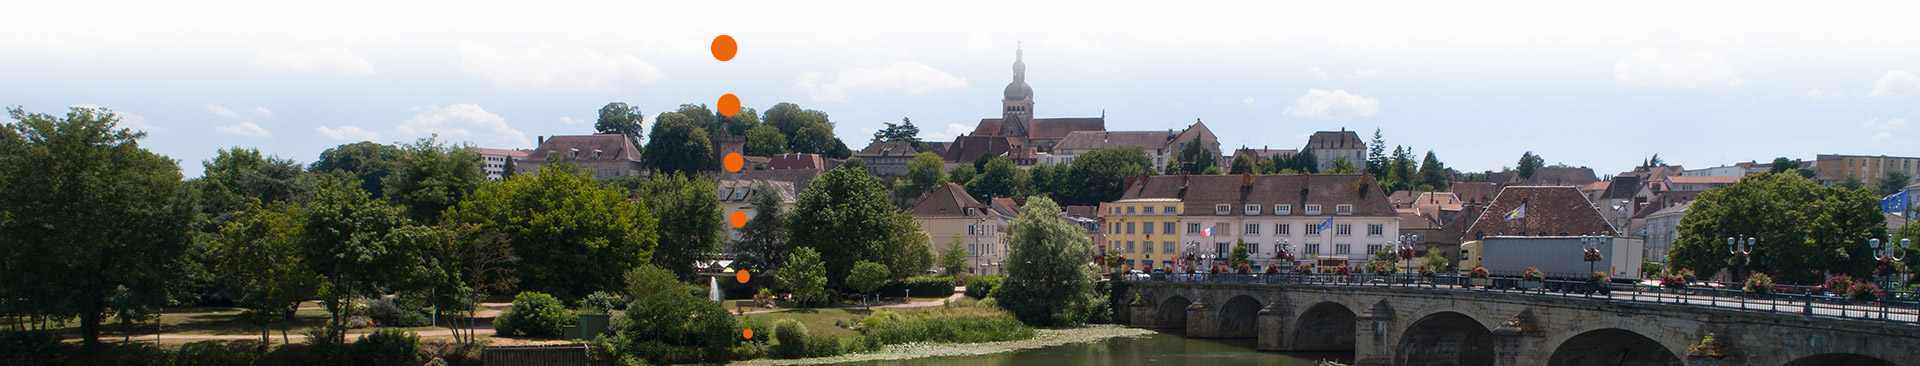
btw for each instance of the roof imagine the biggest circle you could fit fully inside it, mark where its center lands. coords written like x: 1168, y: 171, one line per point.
x: 1622, y: 187
x: 1417, y: 221
x: 1056, y: 128
x: 1095, y: 140
x: 742, y: 190
x: 1561, y: 177
x: 1081, y: 211
x: 587, y: 148
x: 947, y: 201
x: 1265, y: 153
x: 517, y: 153
x: 1680, y: 179
x: 799, y: 177
x: 967, y: 148
x: 987, y: 127
x: 1403, y: 198
x: 1679, y: 209
x: 1481, y: 192
x: 1343, y: 139
x: 887, y: 149
x: 796, y: 161
x: 1550, y: 211
x: 1199, y: 193
x: 1006, y: 205
x: 1430, y: 202
x: 1599, y: 186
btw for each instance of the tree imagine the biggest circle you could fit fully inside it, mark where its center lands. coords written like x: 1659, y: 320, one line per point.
x: 236, y: 175
x: 618, y: 117
x: 1341, y: 166
x: 999, y: 179
x: 1432, y: 174
x: 1042, y: 180
x: 645, y: 280
x: 1047, y: 267
x: 953, y: 257
x: 1194, y: 159
x: 257, y: 254
x: 1783, y: 165
x: 848, y: 219
x: 1805, y: 228
x: 840, y: 150
x: 679, y: 145
x: 476, y: 262
x: 86, y: 215
x: 867, y: 276
x: 804, y: 274
x: 813, y: 139
x: 1305, y: 161
x: 688, y: 208
x: 1529, y: 163
x: 1240, y: 254
x: 1377, y: 155
x: 1655, y: 161
x: 765, y: 141
x: 1100, y: 175
x: 961, y: 174
x: 905, y: 131
x: 1894, y: 182
x: 573, y: 236
x: 368, y: 161
x: 763, y: 240
x: 923, y: 173
x: 1242, y: 164
x: 434, y: 177
x: 358, y: 244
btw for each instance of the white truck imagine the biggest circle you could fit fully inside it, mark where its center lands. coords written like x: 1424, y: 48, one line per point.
x: 1558, y: 257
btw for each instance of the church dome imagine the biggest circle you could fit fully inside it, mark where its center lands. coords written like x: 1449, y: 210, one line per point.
x: 1018, y: 89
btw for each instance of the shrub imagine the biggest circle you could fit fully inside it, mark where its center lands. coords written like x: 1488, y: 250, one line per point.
x: 602, y: 302
x: 455, y: 354
x: 677, y: 327
x: 534, y: 314
x: 823, y: 346
x: 386, y: 311
x: 762, y: 330
x: 817, y: 299
x: 793, y: 338
x: 386, y: 347
x: 1533, y: 274
x: 1673, y: 281
x: 879, y: 318
x: 1839, y: 285
x: 204, y: 353
x: 1477, y: 272
x: 1865, y: 291
x: 1759, y: 283
x: 982, y: 286
x: 1597, y: 277
x: 28, y: 348
x: 647, y: 280
x: 923, y: 286
x: 961, y: 329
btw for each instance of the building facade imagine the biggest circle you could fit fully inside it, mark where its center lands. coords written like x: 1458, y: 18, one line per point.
x: 1323, y: 219
x: 1330, y: 146
x: 1162, y: 147
x: 1663, y: 227
x: 949, y: 213
x: 1868, y: 169
x: 607, y: 155
x: 887, y: 158
x: 494, y: 163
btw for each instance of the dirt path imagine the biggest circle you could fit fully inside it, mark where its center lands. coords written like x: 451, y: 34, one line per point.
x: 958, y: 293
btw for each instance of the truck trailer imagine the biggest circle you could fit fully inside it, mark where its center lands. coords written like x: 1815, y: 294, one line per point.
x: 1559, y: 257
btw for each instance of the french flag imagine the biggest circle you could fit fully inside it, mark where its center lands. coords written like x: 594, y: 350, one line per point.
x: 1206, y: 233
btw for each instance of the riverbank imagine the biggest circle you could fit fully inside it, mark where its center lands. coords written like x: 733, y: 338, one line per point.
x: 1044, y: 338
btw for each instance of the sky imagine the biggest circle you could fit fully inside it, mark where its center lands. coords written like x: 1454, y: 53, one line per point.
x: 1603, y: 85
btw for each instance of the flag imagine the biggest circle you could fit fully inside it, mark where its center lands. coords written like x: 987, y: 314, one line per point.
x: 1896, y: 202
x: 1518, y: 213
x: 1324, y: 226
x: 1206, y: 233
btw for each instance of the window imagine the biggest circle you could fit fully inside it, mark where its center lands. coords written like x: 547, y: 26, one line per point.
x: 1221, y: 209
x: 1129, y: 210
x: 1342, y: 249
x: 1313, y: 229
x: 1168, y: 210
x: 1283, y: 210
x: 1373, y: 248
x: 1313, y: 209
x: 1130, y: 228
x: 1282, y: 229
x: 1375, y: 229
x: 1313, y: 249
x: 1343, y: 229
x: 1129, y: 246
x: 1146, y: 210
x: 1115, y: 229
x: 1115, y: 210
x: 1166, y: 247
x: 1167, y: 228
x: 973, y: 249
x: 1343, y: 209
x: 1193, y: 228
x: 970, y: 230
x: 1253, y: 229
x: 1146, y: 247
x: 1253, y: 210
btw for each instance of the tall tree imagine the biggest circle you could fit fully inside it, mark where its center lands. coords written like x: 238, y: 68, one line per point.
x: 1194, y: 159
x: 813, y: 139
x: 1807, y: 228
x: 765, y: 141
x: 804, y: 274
x: 1433, y: 175
x: 1100, y: 175
x: 1042, y: 180
x: 679, y: 145
x: 357, y: 243
x: 258, y: 255
x: 1242, y: 164
x: 1528, y: 164
x: 962, y: 174
x: 688, y: 208
x: 433, y: 177
x: 572, y: 235
x: 237, y: 174
x: 848, y: 219
x: 1341, y: 166
x: 905, y: 131
x: 1894, y: 182
x: 87, y: 214
x: 1306, y: 162
x: 1377, y: 155
x: 999, y: 179
x: 763, y: 241
x: 923, y: 173
x: 368, y: 161
x: 1783, y: 165
x: 953, y: 257
x: 619, y: 118
x: 1047, y: 273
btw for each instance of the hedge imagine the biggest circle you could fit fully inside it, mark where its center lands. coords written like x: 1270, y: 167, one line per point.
x: 923, y: 286
x: 982, y: 286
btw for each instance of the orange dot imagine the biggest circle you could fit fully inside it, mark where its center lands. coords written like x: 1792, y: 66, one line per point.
x: 735, y: 162
x: 738, y: 219
x: 729, y: 105
x: 748, y: 333
x: 742, y: 276
x: 724, y: 47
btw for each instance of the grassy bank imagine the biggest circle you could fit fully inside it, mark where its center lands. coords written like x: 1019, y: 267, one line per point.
x: 1042, y: 338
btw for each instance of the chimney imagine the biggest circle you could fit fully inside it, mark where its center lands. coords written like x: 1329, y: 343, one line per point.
x: 1246, y: 179
x: 543, y: 140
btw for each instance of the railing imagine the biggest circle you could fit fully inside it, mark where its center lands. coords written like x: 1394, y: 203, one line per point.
x: 1892, y: 306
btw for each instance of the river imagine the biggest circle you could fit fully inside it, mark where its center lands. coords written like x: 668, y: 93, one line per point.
x: 1157, y: 349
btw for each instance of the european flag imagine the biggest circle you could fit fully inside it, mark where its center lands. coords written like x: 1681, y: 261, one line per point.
x: 1324, y: 226
x: 1896, y: 202
x: 1517, y: 213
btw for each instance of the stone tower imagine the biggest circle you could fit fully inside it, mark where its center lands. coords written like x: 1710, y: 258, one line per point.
x: 1016, y: 110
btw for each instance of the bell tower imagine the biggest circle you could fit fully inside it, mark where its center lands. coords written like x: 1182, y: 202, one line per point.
x: 1016, y: 109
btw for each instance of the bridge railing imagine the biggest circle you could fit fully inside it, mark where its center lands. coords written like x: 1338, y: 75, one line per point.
x: 1892, y: 306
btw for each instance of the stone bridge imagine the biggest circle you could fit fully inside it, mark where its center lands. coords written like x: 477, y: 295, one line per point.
x: 1441, y: 326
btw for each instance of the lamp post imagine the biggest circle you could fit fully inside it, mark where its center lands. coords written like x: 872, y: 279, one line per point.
x: 1403, y: 248
x: 1743, y: 248
x: 1589, y: 244
x: 1889, y: 253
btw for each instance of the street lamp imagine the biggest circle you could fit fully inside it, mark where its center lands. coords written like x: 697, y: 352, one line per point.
x: 1742, y: 247
x: 1404, y: 248
x: 1590, y: 249
x: 1889, y: 253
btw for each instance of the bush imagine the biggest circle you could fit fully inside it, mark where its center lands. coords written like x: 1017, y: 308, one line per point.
x: 962, y: 329
x: 762, y: 330
x: 647, y: 280
x: 817, y: 299
x: 386, y: 311
x: 1839, y: 285
x: 676, y: 327
x: 455, y: 354
x: 1865, y: 291
x: 793, y: 338
x: 879, y: 318
x: 982, y: 286
x: 534, y: 314
x: 28, y: 348
x: 823, y: 346
x: 1759, y: 283
x: 923, y: 286
x: 602, y: 302
x: 204, y: 353
x: 387, y: 347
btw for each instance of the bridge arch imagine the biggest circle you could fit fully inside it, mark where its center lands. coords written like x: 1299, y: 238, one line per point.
x: 1172, y: 313
x: 1612, y: 346
x: 1445, y: 338
x: 1325, y: 326
x: 1240, y: 317
x: 1840, y: 359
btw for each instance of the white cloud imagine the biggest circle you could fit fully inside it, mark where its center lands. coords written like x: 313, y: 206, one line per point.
x: 1897, y: 83
x: 463, y: 122
x: 222, y: 111
x: 549, y: 68
x: 953, y: 130
x: 1324, y: 104
x: 248, y: 129
x: 1316, y: 72
x: 1649, y: 67
x: 1889, y: 124
x: 910, y: 78
x: 260, y: 111
x: 347, y: 133
x: 980, y: 40
x: 1366, y: 73
x: 128, y: 120
x: 1248, y: 101
x: 571, y: 121
x: 1067, y: 42
x: 324, y: 60
x: 1886, y: 139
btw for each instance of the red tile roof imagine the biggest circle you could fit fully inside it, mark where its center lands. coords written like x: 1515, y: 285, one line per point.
x: 1550, y: 211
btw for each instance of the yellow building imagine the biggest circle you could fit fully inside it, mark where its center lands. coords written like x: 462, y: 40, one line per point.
x: 1141, y: 231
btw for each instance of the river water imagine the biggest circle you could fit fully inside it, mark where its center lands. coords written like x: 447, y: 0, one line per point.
x: 1157, y: 349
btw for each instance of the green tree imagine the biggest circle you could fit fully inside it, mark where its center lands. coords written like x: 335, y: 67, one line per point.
x: 679, y: 145
x: 1433, y: 174
x: 1894, y: 182
x: 1529, y: 163
x: 1194, y: 159
x: 258, y: 255
x: 953, y: 257
x: 1100, y: 175
x: 813, y: 139
x: 688, y: 208
x: 763, y: 240
x: 804, y: 273
x: 358, y: 244
x: 1042, y: 180
x: 619, y: 118
x: 236, y: 175
x: 999, y: 179
x: 87, y: 215
x: 1240, y: 254
x: 923, y: 173
x: 474, y: 263
x: 433, y: 177
x: 368, y: 161
x: 867, y: 276
x: 1242, y: 164
x: 961, y: 174
x: 765, y: 141
x: 849, y: 220
x: 1047, y: 267
x: 1305, y: 161
x: 1377, y: 155
x: 1805, y: 228
x: 572, y: 236
x: 905, y: 131
x: 1341, y: 166
x: 646, y: 280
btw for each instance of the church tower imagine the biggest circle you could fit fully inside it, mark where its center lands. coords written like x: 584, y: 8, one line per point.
x: 1016, y: 110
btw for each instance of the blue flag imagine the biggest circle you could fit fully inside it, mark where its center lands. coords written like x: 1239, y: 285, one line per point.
x: 1896, y: 202
x: 1324, y: 226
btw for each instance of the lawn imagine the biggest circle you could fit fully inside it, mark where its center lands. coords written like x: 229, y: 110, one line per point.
x: 823, y: 321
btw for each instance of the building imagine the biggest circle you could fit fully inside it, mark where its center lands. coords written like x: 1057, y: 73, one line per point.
x: 1699, y: 183
x: 1547, y: 176
x: 1548, y: 211
x: 1088, y: 218
x: 495, y: 162
x: 1017, y: 134
x: 1270, y: 213
x: 736, y: 190
x: 949, y: 213
x: 607, y: 155
x: 1662, y: 228
x: 724, y: 144
x: 797, y: 161
x: 1329, y: 146
x: 1739, y: 170
x: 1868, y: 169
x: 1131, y: 226
x: 887, y: 158
x: 1163, y: 147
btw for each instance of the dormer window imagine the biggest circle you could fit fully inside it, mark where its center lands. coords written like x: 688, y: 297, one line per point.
x: 1313, y: 209
x: 1283, y: 210
x: 1343, y: 209
x: 1222, y: 210
x: 1253, y: 210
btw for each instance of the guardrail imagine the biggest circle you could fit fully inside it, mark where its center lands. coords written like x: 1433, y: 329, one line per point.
x: 1892, y: 306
